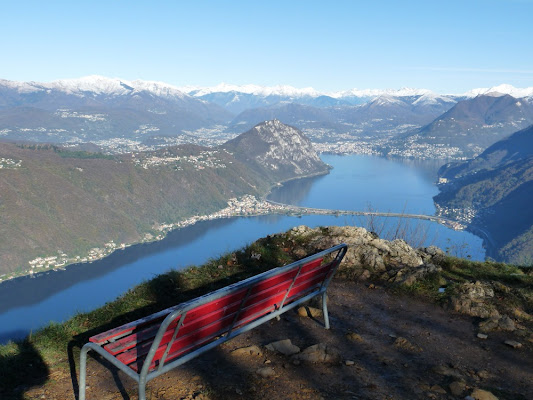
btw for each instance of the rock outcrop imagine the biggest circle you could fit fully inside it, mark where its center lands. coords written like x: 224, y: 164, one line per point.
x: 368, y: 256
x: 474, y: 299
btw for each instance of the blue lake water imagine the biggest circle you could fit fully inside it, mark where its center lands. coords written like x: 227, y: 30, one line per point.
x: 355, y: 183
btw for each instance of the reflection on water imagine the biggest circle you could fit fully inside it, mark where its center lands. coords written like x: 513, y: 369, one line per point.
x: 294, y: 192
x: 427, y: 168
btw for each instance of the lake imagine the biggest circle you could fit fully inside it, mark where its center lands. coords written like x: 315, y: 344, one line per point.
x: 355, y: 183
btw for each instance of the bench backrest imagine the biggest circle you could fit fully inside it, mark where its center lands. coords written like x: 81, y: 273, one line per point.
x: 151, y: 342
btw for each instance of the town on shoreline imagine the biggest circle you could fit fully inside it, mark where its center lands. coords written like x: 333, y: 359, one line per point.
x: 245, y: 206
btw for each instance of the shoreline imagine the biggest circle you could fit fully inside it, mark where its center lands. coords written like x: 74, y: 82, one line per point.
x: 149, y: 236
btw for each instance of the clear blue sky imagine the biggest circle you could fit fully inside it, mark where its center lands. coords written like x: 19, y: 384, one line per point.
x: 446, y: 46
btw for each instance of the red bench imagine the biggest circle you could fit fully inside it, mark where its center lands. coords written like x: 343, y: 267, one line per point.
x: 151, y: 346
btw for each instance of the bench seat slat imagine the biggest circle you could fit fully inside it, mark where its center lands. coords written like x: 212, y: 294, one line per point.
x: 255, y: 307
x: 135, y: 357
x: 229, y: 304
x: 149, y: 333
x: 210, y: 320
x: 260, y: 304
x: 132, y: 327
x: 128, y: 328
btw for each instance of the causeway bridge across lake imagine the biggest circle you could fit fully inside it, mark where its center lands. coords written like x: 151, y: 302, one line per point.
x: 448, y: 222
x: 323, y: 211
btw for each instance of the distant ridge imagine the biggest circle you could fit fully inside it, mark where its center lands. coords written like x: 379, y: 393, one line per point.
x: 96, y: 109
x: 497, y: 186
x: 474, y: 124
x: 106, y: 85
x: 118, y: 115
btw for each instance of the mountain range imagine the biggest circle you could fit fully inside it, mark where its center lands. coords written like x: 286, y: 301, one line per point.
x: 97, y: 108
x: 474, y: 124
x: 120, y: 115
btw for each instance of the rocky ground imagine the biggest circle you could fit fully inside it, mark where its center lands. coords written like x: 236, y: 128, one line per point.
x: 386, y: 341
x: 381, y: 346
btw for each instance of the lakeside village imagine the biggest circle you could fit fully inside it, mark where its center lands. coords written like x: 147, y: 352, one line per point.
x: 325, y: 140
x: 9, y: 163
x: 247, y: 205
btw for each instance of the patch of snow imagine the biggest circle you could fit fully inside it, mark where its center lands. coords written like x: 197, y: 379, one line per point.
x: 99, y: 85
x: 501, y: 90
x: 264, y: 91
x: 433, y: 99
x: 403, y: 92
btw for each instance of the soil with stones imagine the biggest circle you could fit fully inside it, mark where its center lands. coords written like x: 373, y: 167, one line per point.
x: 382, y: 346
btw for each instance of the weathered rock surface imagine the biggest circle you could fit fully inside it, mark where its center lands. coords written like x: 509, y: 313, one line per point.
x: 480, y: 394
x: 404, y: 344
x: 457, y: 387
x: 319, y: 353
x: 474, y: 299
x: 369, y: 256
x: 447, y: 371
x: 354, y: 337
x: 497, y: 323
x: 513, y: 343
x: 266, y: 372
x: 284, y: 346
x: 310, y: 312
x: 247, y: 351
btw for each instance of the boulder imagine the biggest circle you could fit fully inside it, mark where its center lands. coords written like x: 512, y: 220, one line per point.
x: 474, y: 299
x: 319, y: 353
x: 480, y: 394
x: 497, y: 323
x: 247, y: 351
x: 284, y: 347
x: 432, y: 254
x: 409, y: 275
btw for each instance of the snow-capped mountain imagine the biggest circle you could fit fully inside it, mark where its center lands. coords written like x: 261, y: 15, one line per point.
x: 290, y: 91
x: 96, y: 108
x: 278, y: 90
x: 237, y: 99
x: 384, y: 114
x: 502, y: 89
x: 97, y: 85
x: 476, y: 123
x: 373, y: 93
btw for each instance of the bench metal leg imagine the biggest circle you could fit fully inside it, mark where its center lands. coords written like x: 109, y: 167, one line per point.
x: 325, y: 310
x: 83, y: 371
x: 142, y: 389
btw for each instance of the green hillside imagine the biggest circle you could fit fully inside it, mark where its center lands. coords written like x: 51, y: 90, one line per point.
x: 498, y: 187
x: 54, y: 202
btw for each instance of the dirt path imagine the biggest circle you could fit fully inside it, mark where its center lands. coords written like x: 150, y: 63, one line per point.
x: 400, y: 348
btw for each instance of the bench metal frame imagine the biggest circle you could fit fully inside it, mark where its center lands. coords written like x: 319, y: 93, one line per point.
x: 180, y: 312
